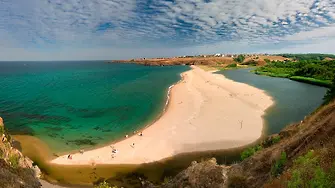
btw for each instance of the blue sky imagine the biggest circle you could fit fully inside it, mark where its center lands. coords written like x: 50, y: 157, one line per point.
x: 121, y: 29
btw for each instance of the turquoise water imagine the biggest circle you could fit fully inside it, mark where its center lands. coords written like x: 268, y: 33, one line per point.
x: 72, y: 105
x: 293, y: 100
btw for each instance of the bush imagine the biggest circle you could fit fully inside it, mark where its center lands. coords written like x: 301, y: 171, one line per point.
x: 14, y: 160
x: 275, y: 139
x: 313, y: 81
x: 234, y: 65
x: 239, y: 58
x: 250, y: 63
x: 307, y: 172
x: 330, y: 95
x: 2, y: 153
x: 250, y: 151
x: 104, y: 185
x: 279, y: 166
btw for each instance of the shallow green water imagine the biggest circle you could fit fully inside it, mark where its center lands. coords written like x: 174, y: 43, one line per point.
x: 72, y: 105
x: 293, y: 100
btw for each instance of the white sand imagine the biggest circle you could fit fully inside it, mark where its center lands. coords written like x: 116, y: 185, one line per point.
x: 206, y: 112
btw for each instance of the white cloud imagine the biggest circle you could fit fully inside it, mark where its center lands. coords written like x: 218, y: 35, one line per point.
x: 318, y: 33
x: 36, y: 26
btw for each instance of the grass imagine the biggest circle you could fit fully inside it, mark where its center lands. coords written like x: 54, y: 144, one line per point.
x: 250, y: 151
x: 2, y: 130
x: 279, y: 166
x: 104, y: 185
x: 233, y: 65
x: 324, y: 83
x: 14, y: 160
x: 307, y: 172
x: 280, y: 75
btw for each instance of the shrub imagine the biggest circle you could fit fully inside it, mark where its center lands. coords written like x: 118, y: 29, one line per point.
x: 271, y: 141
x: 14, y: 160
x: 250, y: 63
x: 307, y: 172
x: 239, y: 58
x: 234, y: 65
x: 250, y: 151
x: 2, y: 153
x: 279, y: 166
x: 237, y: 182
x: 104, y: 185
x: 330, y: 95
x: 324, y: 83
x: 275, y: 139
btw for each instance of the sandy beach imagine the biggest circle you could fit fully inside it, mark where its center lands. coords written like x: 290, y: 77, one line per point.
x: 206, y: 111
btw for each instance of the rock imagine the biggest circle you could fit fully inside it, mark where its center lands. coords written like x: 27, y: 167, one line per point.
x: 25, y: 162
x: 1, y: 122
x: 205, y: 174
x: 37, y: 171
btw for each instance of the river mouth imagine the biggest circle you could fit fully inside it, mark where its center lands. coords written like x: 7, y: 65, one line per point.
x: 157, y: 171
x: 85, y: 175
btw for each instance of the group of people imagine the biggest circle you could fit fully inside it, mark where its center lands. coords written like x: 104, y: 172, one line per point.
x: 114, y: 151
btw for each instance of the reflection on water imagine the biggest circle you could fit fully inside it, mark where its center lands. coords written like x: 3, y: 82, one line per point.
x: 293, y: 100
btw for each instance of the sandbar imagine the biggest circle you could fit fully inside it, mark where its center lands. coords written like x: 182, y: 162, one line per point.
x: 206, y: 111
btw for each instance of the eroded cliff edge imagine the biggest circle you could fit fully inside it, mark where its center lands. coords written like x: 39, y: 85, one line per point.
x: 16, y: 170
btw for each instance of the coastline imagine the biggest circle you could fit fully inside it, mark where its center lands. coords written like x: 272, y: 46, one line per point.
x: 169, y: 135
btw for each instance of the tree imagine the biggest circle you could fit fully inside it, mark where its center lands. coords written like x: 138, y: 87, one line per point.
x: 330, y: 95
x: 239, y: 58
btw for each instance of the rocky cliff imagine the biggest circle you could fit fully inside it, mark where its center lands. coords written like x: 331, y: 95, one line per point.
x: 16, y: 170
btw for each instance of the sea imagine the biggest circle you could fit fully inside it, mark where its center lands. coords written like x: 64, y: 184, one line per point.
x: 73, y: 105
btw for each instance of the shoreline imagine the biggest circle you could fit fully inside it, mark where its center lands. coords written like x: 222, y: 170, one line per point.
x: 146, y: 125
x: 169, y: 135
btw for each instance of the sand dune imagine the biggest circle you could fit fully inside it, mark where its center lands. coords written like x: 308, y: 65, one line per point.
x: 206, y: 112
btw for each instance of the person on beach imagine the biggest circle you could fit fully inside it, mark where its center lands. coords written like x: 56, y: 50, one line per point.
x: 126, y: 136
x: 141, y: 134
x: 69, y: 156
x: 132, y: 145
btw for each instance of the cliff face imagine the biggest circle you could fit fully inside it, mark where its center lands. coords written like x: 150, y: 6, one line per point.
x: 302, y: 155
x: 206, y: 174
x: 16, y: 170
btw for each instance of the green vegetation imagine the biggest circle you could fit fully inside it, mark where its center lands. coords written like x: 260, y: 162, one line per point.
x: 14, y: 160
x: 266, y: 143
x: 316, y: 72
x: 239, y: 58
x: 104, y: 185
x: 250, y: 151
x: 307, y: 172
x: 272, y: 74
x: 324, y: 83
x: 330, y: 95
x: 234, y: 65
x: 250, y: 63
x: 308, y: 56
x: 2, y: 130
x: 279, y: 166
